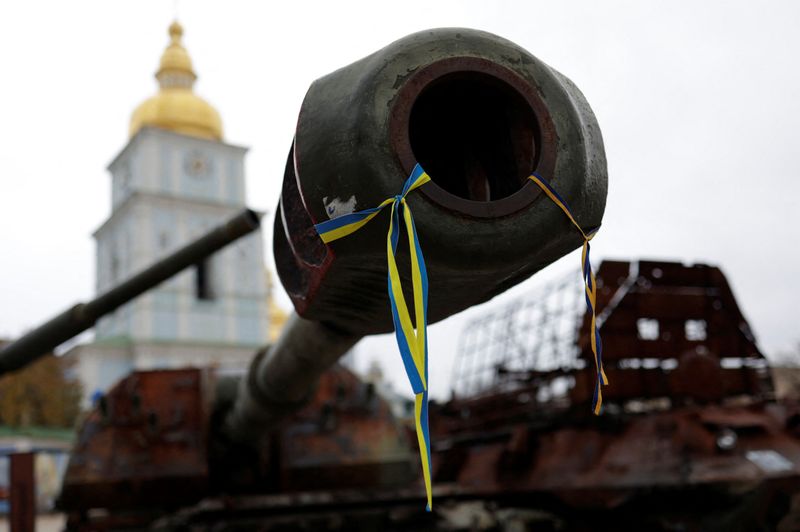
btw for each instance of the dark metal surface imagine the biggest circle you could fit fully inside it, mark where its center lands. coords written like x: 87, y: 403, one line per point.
x: 82, y: 316
x: 670, y: 333
x: 283, y: 376
x: 23, y: 492
x: 438, y: 100
x: 345, y: 438
x: 688, y: 415
x: 675, y: 333
x: 144, y: 450
x: 145, y: 444
x: 483, y: 226
x: 676, y: 448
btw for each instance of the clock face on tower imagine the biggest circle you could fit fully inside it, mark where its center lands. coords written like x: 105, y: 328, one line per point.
x: 197, y: 164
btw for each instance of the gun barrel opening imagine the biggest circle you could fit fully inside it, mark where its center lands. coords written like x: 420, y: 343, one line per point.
x: 477, y: 130
x: 474, y: 135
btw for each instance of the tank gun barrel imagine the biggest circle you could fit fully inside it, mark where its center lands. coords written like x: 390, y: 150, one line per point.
x: 479, y: 114
x: 83, y: 316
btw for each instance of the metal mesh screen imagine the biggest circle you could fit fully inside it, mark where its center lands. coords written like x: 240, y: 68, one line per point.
x: 534, y: 332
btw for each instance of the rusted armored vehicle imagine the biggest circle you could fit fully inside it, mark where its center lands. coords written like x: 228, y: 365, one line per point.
x: 691, y: 436
x: 292, y: 435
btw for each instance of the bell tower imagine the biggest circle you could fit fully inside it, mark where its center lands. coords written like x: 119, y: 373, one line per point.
x: 175, y: 179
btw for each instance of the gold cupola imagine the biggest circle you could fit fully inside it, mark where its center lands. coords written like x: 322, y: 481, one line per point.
x: 176, y: 107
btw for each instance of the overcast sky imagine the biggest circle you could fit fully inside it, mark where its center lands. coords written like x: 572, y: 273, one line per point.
x: 698, y: 102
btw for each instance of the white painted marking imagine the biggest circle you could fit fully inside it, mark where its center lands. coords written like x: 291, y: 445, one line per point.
x: 336, y: 207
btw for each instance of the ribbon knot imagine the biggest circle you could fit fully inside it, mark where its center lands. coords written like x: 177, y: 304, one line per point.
x: 411, y: 338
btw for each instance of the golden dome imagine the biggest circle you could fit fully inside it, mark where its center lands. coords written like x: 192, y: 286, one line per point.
x: 176, y: 107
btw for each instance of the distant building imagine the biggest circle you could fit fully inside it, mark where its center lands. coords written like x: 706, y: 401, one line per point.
x: 174, y: 180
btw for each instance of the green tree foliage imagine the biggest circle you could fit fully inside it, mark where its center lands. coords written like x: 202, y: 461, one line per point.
x: 40, y: 395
